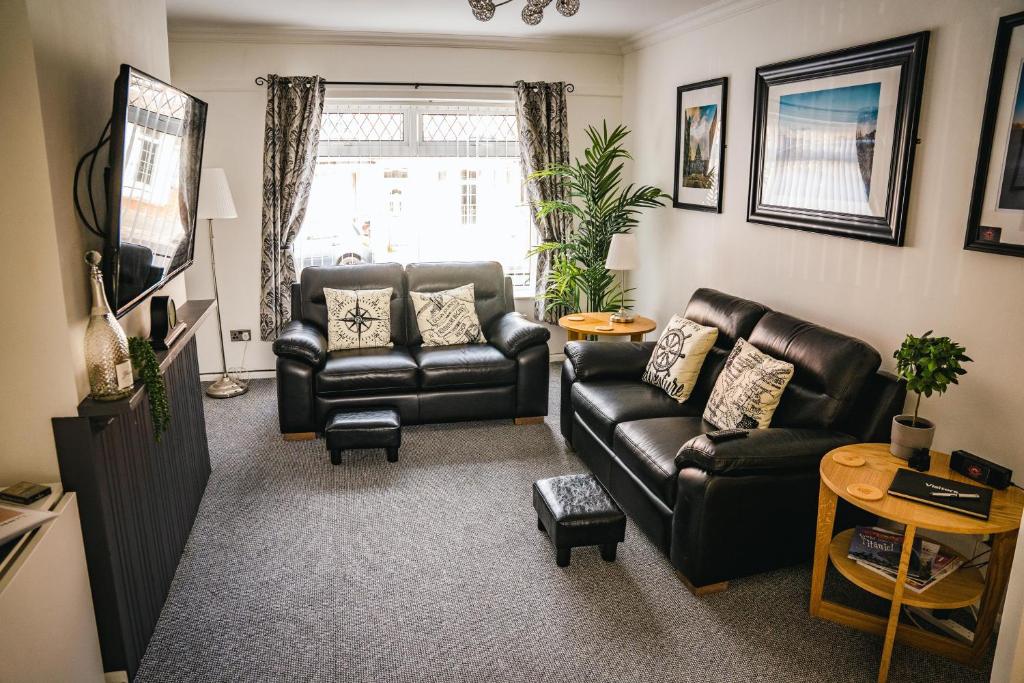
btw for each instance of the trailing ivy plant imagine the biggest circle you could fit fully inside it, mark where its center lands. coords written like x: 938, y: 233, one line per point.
x: 148, y: 366
x: 929, y: 365
x: 599, y: 207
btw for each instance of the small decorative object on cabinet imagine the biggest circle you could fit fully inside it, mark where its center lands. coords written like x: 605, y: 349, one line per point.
x: 215, y: 201
x: 164, y: 326
x: 996, y: 219
x: 107, y: 359
x: 622, y: 257
x: 961, y: 588
x: 928, y: 365
x: 700, y: 145
x: 834, y: 137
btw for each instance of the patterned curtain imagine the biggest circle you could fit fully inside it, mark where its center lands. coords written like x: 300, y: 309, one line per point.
x: 294, y: 106
x: 543, y: 140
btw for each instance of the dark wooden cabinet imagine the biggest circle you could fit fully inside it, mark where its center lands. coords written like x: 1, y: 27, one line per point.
x: 138, y: 497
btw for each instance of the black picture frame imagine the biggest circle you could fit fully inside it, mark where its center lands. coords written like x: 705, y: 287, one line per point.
x: 984, y: 237
x: 723, y: 85
x: 907, y: 52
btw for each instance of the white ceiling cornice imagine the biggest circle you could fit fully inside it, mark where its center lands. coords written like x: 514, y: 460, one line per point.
x: 291, y: 36
x: 691, y: 21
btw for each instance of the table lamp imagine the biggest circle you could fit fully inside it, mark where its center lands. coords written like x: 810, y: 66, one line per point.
x: 622, y: 257
x: 215, y: 202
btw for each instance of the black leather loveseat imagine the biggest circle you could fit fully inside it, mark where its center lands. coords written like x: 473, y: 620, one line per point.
x: 504, y: 378
x: 739, y: 507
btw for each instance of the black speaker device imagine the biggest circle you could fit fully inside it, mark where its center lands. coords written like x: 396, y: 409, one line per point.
x: 980, y: 470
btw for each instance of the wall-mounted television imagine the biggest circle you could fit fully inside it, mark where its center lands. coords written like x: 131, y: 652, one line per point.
x: 156, y: 152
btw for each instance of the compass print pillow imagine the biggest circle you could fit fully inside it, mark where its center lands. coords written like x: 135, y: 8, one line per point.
x: 448, y: 317
x: 748, y: 389
x: 358, y: 319
x: 678, y: 357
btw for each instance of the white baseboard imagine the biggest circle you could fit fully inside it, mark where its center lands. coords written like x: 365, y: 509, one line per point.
x: 557, y: 358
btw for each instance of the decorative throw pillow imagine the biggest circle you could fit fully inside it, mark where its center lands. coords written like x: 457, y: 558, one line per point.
x: 448, y: 317
x: 358, y: 318
x: 748, y: 389
x: 678, y: 357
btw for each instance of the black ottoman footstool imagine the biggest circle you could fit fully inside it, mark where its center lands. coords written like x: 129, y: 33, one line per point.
x: 377, y: 428
x: 575, y: 510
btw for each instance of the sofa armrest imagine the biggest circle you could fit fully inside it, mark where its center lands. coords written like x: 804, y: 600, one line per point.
x: 775, y: 448
x: 513, y: 333
x: 608, y: 360
x: 303, y: 342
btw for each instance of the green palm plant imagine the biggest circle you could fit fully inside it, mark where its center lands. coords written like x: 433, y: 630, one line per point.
x: 597, y: 207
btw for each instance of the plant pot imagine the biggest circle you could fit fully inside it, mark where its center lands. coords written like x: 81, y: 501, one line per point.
x: 906, y: 439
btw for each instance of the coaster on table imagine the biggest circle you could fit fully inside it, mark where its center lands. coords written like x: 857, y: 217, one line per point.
x: 576, y: 318
x: 849, y: 459
x: 604, y: 328
x: 865, y: 491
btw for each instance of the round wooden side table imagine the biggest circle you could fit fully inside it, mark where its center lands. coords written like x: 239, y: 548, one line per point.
x: 960, y: 589
x: 594, y: 324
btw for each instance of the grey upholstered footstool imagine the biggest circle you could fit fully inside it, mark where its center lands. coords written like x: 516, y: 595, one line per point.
x: 377, y: 428
x: 575, y: 510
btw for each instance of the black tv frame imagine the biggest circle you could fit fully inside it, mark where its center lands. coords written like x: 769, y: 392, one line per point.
x: 114, y: 177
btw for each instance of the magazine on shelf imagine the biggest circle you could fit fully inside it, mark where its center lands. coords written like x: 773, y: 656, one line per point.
x: 949, y: 565
x: 14, y: 521
x: 879, y: 550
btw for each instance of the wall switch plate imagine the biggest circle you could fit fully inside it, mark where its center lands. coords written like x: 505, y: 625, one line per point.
x: 241, y: 335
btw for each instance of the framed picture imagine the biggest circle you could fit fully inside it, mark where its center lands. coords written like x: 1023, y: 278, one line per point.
x: 700, y: 145
x: 834, y: 138
x: 996, y: 219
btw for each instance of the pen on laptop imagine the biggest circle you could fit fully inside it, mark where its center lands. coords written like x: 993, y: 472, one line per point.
x: 953, y: 494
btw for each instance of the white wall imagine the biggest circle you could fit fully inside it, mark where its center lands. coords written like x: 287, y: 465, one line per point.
x: 875, y: 292
x: 222, y: 73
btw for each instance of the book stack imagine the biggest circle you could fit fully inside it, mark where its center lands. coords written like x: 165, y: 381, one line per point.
x: 879, y: 550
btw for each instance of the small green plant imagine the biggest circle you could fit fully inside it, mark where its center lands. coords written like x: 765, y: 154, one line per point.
x: 929, y: 365
x: 148, y: 366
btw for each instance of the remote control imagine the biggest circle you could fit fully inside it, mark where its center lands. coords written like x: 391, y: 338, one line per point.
x: 726, y: 435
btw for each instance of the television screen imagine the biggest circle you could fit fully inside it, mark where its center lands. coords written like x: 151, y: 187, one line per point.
x: 156, y: 152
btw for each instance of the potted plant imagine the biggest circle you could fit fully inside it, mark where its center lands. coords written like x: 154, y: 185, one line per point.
x: 599, y: 208
x: 928, y: 365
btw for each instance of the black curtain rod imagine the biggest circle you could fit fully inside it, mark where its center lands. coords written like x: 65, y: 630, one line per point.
x: 569, y: 87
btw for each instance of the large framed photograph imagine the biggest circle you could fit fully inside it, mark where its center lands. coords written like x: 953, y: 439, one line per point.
x: 834, y: 139
x: 700, y: 145
x: 996, y: 219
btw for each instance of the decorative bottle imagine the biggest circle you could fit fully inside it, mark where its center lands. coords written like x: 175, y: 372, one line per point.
x: 107, y: 358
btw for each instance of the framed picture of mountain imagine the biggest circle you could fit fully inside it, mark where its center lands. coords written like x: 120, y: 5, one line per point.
x: 834, y: 139
x: 996, y: 219
x: 700, y: 145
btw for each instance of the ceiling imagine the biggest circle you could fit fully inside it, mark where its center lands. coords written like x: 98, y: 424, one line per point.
x: 597, y: 19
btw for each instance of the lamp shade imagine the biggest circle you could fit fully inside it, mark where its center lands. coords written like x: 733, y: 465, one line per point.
x: 622, y: 252
x: 215, y: 196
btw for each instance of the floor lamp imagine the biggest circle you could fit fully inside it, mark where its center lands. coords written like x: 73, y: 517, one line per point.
x: 215, y: 202
x: 622, y: 256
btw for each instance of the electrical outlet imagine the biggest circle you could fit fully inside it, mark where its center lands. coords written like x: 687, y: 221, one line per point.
x: 241, y: 335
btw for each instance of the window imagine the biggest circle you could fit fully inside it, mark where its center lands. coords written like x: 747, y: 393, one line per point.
x: 147, y: 161
x: 417, y: 182
x: 468, y: 202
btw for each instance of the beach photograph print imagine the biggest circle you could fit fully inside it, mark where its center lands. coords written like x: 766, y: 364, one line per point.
x: 824, y: 150
x: 1011, y: 193
x: 699, y: 133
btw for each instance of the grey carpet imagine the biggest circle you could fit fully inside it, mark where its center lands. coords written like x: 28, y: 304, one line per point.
x: 433, y: 569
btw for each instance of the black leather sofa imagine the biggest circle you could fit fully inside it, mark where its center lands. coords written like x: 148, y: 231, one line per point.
x: 722, y: 511
x: 505, y: 378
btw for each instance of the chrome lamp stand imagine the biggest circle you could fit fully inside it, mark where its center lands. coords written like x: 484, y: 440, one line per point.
x: 225, y: 387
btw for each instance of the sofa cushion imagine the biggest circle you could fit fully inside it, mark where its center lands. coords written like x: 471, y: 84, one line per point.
x: 748, y: 389
x: 448, y: 317
x: 363, y: 276
x: 488, y: 289
x: 648, y: 449
x: 831, y: 369
x: 367, y: 370
x: 478, y: 365
x: 602, y: 405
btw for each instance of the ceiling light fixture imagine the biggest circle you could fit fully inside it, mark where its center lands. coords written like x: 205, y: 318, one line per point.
x: 533, y: 12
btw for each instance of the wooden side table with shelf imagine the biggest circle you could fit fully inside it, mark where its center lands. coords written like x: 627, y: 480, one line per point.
x: 599, y: 325
x: 964, y: 587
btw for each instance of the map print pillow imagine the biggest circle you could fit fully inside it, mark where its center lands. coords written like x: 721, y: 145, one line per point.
x: 678, y: 357
x: 358, y: 318
x: 748, y: 389
x: 448, y: 317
